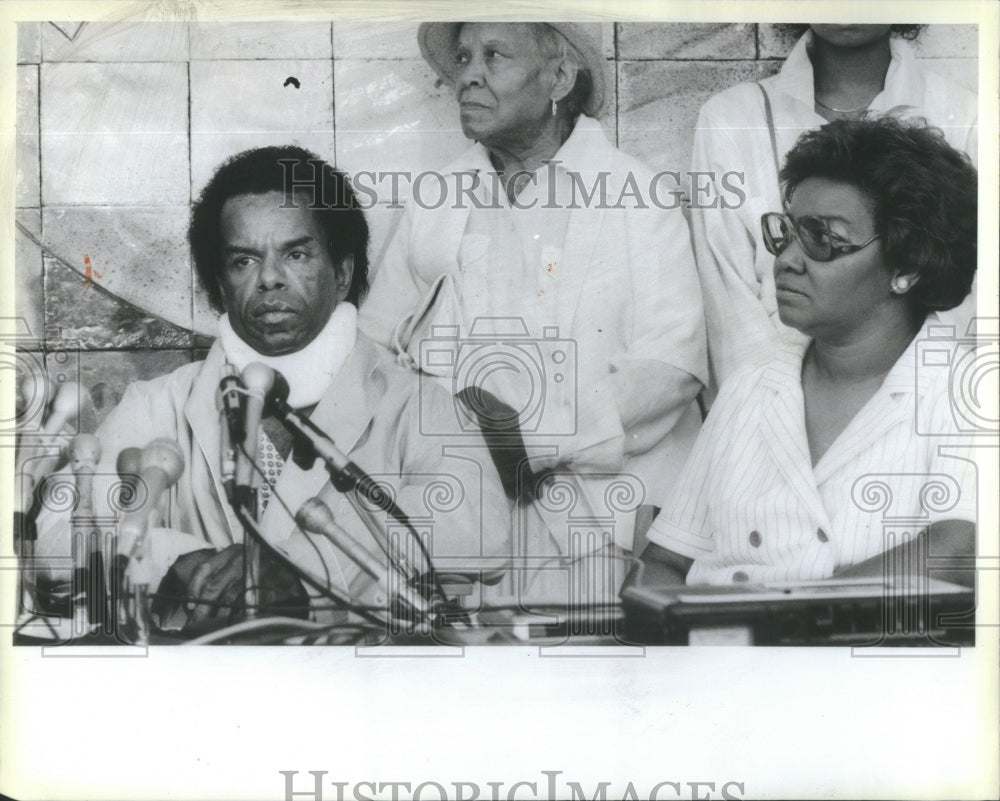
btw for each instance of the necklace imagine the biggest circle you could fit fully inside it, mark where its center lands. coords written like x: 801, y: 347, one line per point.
x: 842, y: 110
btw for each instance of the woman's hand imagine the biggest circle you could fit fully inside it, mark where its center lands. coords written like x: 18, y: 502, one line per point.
x: 945, y: 550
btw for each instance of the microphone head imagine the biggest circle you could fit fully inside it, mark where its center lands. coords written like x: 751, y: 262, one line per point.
x: 164, y: 454
x: 314, y: 516
x: 278, y: 396
x: 129, y: 461
x: 83, y: 452
x: 66, y: 403
x: 258, y: 379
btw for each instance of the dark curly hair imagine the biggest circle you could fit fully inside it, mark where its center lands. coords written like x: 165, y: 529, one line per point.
x: 323, y: 189
x: 909, y: 32
x: 924, y: 193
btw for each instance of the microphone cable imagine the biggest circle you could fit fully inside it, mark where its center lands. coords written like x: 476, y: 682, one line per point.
x: 251, y: 525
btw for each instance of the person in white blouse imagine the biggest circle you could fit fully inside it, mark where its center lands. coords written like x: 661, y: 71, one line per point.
x: 833, y: 72
x: 812, y: 465
x: 549, y: 252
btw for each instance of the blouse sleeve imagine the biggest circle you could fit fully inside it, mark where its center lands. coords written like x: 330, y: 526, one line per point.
x: 684, y: 526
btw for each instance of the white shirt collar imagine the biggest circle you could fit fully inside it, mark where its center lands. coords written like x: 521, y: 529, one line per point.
x: 904, y: 83
x: 904, y: 377
x: 587, y: 151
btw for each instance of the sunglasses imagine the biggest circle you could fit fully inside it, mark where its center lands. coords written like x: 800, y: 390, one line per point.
x: 812, y: 233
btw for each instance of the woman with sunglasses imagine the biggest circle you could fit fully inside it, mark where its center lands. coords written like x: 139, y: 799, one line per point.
x: 833, y: 72
x: 802, y: 460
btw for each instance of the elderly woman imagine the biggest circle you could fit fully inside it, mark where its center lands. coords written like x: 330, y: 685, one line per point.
x: 803, y: 461
x: 575, y: 299
x: 833, y: 72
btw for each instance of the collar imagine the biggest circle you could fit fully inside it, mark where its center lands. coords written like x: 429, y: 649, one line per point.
x: 905, y: 377
x: 587, y: 151
x: 308, y: 371
x: 904, y: 84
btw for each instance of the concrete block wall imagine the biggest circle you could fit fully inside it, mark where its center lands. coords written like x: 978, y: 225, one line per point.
x: 121, y: 124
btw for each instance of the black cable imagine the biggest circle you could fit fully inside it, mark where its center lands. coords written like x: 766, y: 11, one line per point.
x: 356, y: 478
x: 250, y: 525
x: 369, y: 489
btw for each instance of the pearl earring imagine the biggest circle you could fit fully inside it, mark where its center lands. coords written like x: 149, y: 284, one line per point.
x: 900, y: 284
x: 554, y: 107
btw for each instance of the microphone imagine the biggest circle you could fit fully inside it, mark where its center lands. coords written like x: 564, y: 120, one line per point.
x: 344, y: 473
x: 258, y: 379
x: 25, y: 530
x: 315, y: 517
x: 127, y: 466
x: 229, y: 399
x: 160, y: 465
x: 83, y: 454
x: 227, y: 451
x: 65, y: 404
x: 90, y: 589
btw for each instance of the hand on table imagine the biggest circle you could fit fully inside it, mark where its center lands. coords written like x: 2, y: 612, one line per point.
x: 212, y: 582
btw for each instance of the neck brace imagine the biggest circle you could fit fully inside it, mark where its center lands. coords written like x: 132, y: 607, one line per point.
x: 309, y: 371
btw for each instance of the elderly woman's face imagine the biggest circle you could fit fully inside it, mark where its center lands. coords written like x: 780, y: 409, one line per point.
x: 831, y: 297
x: 502, y: 82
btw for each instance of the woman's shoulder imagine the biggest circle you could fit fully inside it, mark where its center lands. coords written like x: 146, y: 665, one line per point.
x: 755, y: 380
x: 948, y: 100
x: 741, y: 99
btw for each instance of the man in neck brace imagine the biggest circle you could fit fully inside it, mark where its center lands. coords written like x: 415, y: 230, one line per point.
x: 280, y: 247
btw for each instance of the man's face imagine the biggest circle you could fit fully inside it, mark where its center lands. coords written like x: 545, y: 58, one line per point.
x: 279, y: 284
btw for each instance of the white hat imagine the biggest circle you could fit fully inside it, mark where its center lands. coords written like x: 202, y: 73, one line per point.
x: 439, y: 41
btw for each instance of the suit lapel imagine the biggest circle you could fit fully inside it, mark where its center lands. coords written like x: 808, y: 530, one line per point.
x: 581, y: 240
x: 891, y: 405
x: 879, y: 415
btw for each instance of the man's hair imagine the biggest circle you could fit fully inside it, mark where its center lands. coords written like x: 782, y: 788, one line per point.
x: 923, y: 190
x: 304, y: 179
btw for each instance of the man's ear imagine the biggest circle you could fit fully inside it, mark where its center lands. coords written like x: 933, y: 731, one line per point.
x: 345, y: 272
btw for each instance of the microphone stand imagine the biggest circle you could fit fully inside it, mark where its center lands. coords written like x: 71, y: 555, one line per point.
x: 251, y: 526
x: 246, y: 502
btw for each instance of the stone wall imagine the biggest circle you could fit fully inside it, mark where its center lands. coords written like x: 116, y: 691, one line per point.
x: 121, y: 124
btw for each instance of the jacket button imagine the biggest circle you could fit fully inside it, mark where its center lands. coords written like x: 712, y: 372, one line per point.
x: 740, y: 577
x: 755, y: 539
x: 821, y: 535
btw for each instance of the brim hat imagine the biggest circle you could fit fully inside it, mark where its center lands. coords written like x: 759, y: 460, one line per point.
x: 439, y: 44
